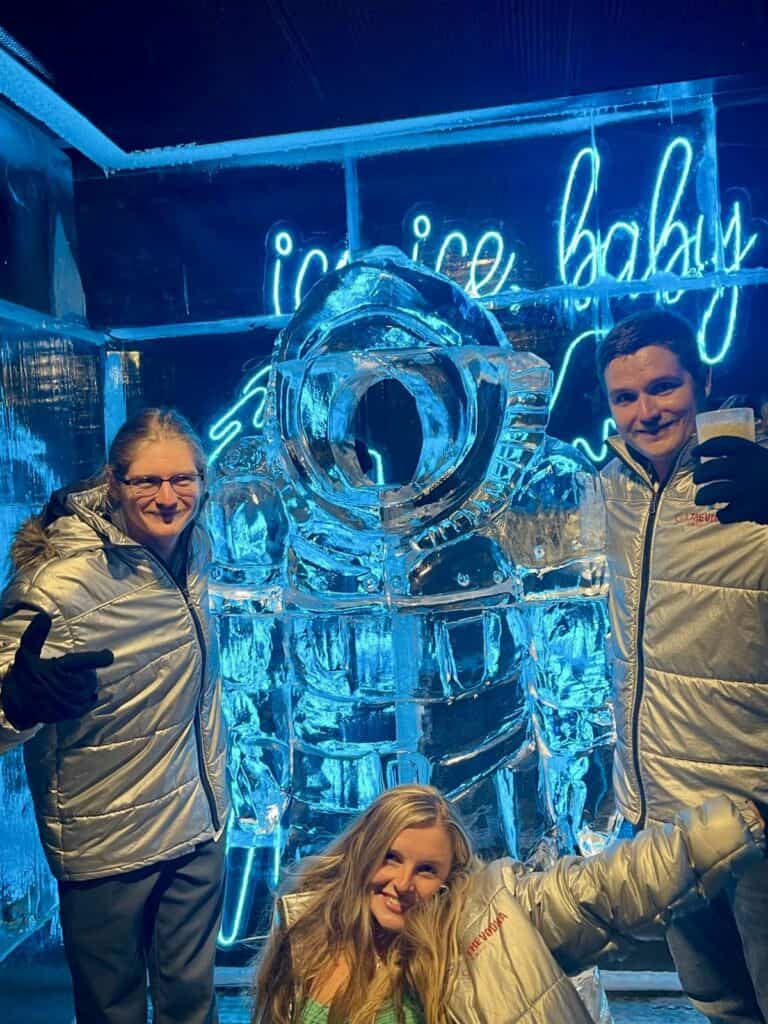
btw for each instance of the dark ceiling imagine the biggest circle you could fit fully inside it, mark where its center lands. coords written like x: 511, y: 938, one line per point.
x: 161, y: 73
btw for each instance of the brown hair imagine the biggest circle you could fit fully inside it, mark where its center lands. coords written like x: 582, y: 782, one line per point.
x: 654, y: 327
x: 152, y: 425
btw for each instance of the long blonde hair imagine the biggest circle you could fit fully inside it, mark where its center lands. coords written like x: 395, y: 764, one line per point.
x: 337, y: 923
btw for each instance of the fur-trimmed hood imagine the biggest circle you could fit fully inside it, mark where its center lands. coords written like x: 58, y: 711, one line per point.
x: 31, y: 546
x: 74, y: 517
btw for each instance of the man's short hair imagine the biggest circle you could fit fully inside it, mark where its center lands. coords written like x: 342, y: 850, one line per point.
x: 655, y: 327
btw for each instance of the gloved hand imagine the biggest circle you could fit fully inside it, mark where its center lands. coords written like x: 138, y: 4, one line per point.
x: 762, y: 809
x: 37, y: 689
x: 754, y: 815
x: 740, y: 469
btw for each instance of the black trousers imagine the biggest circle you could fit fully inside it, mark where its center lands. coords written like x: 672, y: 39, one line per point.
x: 721, y: 952
x: 160, y: 923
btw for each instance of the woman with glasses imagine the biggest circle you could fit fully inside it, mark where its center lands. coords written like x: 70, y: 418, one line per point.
x: 109, y: 676
x: 397, y: 922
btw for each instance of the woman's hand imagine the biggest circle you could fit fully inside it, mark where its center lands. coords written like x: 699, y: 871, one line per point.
x: 37, y: 689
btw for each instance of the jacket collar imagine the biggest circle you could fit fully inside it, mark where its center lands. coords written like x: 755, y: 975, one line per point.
x: 642, y: 467
x: 91, y: 507
x: 294, y: 905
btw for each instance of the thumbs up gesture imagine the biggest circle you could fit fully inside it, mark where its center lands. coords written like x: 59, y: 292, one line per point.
x: 36, y: 689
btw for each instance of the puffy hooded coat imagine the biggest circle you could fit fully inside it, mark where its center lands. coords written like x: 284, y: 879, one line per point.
x: 141, y: 777
x: 689, y: 623
x: 522, y: 932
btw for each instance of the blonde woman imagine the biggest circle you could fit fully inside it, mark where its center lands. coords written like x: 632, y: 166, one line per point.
x: 397, y: 921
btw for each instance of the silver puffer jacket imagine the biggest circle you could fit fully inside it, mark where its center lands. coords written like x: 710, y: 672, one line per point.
x: 689, y: 619
x: 523, y: 932
x: 141, y: 777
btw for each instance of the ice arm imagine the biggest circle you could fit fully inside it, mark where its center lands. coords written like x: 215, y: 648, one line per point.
x: 584, y: 907
x: 555, y: 527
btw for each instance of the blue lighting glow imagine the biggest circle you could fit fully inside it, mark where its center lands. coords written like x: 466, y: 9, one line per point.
x: 671, y: 225
x: 344, y: 145
x: 422, y: 228
x: 584, y: 256
x: 567, y: 248
x: 228, y: 426
x: 254, y: 869
x: 632, y: 231
x: 586, y: 259
x: 326, y: 619
x: 608, y: 427
x: 474, y: 287
x: 284, y: 246
x: 665, y: 228
x: 378, y: 466
x: 487, y: 272
x: 450, y: 239
x: 313, y: 254
x: 234, y: 934
x: 562, y: 372
x: 731, y: 237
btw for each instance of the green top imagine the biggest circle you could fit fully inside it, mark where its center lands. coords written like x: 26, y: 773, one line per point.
x: 316, y: 1013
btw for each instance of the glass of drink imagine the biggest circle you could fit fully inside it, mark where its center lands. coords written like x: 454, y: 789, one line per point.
x: 735, y: 422
x: 738, y: 422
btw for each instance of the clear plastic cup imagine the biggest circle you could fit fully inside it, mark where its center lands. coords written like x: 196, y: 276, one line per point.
x: 734, y: 422
x: 738, y: 422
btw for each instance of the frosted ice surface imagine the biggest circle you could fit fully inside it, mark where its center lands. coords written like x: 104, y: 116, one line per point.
x: 27, y: 890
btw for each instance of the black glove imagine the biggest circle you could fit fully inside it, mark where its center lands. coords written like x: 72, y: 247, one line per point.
x: 37, y: 689
x: 763, y: 811
x: 740, y: 469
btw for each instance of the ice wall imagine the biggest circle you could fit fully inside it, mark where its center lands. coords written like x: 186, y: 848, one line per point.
x: 51, y: 430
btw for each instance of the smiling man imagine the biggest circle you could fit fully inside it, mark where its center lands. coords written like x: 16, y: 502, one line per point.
x: 689, y: 621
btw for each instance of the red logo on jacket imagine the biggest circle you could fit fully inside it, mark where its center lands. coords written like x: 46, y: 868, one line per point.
x: 699, y: 517
x: 473, y: 949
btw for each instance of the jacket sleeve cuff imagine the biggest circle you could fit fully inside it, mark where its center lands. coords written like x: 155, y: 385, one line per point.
x: 10, y: 736
x: 724, y: 838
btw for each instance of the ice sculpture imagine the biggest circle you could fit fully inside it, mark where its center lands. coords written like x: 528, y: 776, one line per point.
x: 408, y: 582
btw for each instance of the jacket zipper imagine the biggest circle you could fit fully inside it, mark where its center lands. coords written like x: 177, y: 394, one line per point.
x: 202, y: 767
x: 640, y: 663
x: 204, y: 777
x: 640, y: 660
x: 644, y: 579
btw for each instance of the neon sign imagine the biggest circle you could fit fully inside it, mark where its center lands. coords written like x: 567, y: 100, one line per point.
x: 228, y: 427
x: 584, y: 257
x: 666, y: 246
x: 673, y: 246
x: 488, y: 266
x: 314, y: 263
x: 230, y: 931
x: 489, y: 249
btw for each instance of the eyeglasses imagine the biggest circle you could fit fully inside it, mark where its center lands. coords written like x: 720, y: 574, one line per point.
x: 182, y: 483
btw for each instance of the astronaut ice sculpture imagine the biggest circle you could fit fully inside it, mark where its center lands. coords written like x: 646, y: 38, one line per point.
x: 409, y: 583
